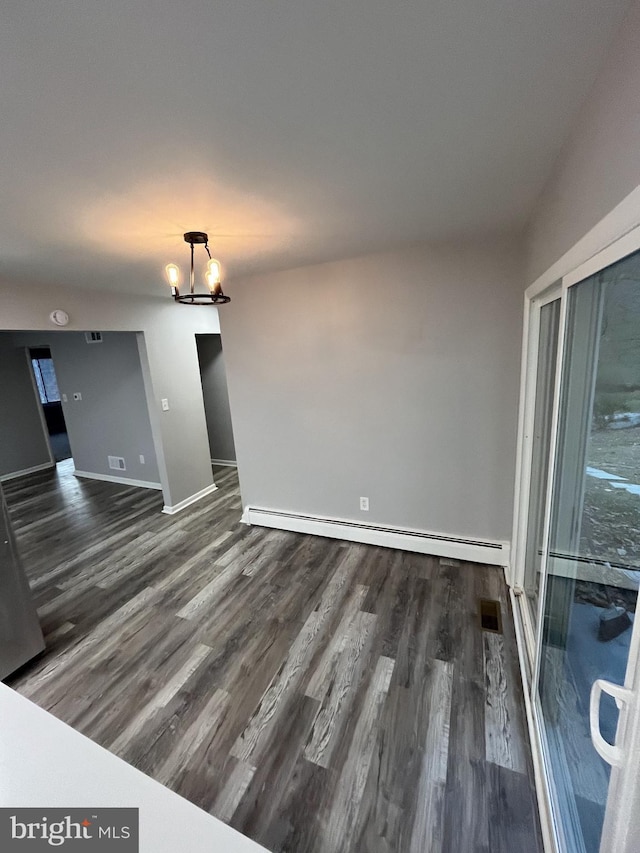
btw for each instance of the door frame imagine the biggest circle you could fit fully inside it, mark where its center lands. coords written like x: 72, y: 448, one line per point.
x: 525, y: 448
x: 617, y: 236
x: 36, y: 393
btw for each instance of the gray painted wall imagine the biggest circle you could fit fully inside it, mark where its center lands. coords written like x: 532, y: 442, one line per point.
x: 216, y: 397
x: 600, y: 162
x: 170, y: 365
x: 23, y: 444
x: 112, y: 418
x: 392, y: 376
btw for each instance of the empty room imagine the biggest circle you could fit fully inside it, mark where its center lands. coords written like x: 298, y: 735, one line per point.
x: 320, y: 432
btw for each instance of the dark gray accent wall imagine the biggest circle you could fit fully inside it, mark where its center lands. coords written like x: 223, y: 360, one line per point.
x: 216, y: 397
x: 23, y: 444
x: 167, y: 348
x: 112, y: 416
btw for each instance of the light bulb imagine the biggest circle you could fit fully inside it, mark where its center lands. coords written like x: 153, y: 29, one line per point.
x: 173, y: 274
x: 213, y: 276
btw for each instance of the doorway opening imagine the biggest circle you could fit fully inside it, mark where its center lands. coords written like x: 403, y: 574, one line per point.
x: 213, y: 376
x: 49, y: 394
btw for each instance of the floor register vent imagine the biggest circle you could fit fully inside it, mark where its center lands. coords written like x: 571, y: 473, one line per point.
x: 490, y: 615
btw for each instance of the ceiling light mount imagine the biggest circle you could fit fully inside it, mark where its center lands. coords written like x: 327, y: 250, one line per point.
x: 215, y: 296
x: 198, y: 237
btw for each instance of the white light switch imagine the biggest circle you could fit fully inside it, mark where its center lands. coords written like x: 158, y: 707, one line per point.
x: 141, y: 459
x: 64, y: 398
x: 165, y: 404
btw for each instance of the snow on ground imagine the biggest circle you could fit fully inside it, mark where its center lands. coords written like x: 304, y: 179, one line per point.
x: 602, y: 475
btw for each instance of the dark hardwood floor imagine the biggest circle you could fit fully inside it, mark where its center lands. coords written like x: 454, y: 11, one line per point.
x: 316, y: 695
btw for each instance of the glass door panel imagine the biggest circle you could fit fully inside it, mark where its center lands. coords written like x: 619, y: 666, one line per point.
x: 541, y: 443
x: 593, y: 558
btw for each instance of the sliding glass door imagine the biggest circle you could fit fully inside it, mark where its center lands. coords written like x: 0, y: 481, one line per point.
x: 581, y: 565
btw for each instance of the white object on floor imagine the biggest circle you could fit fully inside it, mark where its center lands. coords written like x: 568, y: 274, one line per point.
x: 45, y: 763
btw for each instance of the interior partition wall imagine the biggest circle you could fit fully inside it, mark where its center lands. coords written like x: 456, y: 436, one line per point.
x: 576, y: 559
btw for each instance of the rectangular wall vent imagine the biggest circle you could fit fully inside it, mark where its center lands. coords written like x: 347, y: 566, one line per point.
x: 490, y: 615
x: 117, y: 462
x: 93, y: 337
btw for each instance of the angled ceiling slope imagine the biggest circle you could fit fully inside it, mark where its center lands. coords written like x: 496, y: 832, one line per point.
x: 290, y: 131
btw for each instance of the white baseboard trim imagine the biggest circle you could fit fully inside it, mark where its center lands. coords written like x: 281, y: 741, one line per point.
x: 227, y: 463
x: 172, y: 510
x: 46, y: 466
x: 404, y: 539
x: 544, y: 806
x: 108, y: 478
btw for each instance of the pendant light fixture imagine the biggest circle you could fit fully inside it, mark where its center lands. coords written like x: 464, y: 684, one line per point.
x: 215, y: 296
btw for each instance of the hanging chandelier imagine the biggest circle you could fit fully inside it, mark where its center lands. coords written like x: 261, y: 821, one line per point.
x: 215, y: 296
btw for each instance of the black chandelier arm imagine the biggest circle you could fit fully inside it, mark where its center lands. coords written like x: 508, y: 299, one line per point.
x: 192, y: 277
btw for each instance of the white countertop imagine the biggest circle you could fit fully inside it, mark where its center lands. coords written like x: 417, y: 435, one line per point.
x: 45, y: 763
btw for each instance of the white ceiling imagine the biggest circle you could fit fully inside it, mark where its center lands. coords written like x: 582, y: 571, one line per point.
x: 293, y: 131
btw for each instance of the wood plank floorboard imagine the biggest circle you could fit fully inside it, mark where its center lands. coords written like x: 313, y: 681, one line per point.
x: 319, y: 696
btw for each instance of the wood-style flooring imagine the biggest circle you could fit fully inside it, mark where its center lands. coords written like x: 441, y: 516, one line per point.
x: 315, y: 694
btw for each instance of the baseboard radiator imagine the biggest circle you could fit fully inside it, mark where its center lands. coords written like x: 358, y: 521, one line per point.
x: 494, y: 553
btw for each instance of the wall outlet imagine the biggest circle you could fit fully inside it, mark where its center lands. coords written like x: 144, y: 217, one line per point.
x: 77, y: 395
x: 364, y: 504
x: 141, y: 459
x: 64, y: 398
x: 165, y: 404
